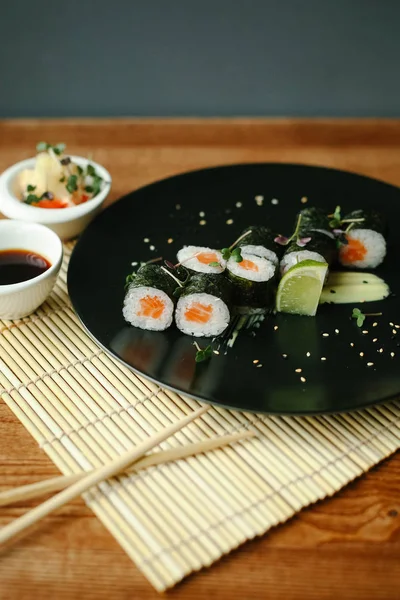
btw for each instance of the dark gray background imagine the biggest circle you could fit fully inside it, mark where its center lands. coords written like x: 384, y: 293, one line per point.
x: 221, y: 57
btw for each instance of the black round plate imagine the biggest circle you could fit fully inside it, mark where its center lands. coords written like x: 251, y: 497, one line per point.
x: 173, y: 209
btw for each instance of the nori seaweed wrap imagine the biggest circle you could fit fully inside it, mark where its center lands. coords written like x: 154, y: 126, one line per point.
x: 156, y: 277
x: 314, y: 224
x: 363, y: 244
x: 149, y: 300
x: 260, y: 240
x: 372, y: 220
x: 253, y: 282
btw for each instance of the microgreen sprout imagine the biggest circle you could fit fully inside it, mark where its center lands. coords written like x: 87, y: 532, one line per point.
x: 232, y: 252
x: 360, y: 316
x: 336, y: 221
x: 58, y: 149
x: 202, y: 354
x: 72, y: 183
x: 300, y: 241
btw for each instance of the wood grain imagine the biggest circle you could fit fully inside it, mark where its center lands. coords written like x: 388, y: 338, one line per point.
x: 348, y: 546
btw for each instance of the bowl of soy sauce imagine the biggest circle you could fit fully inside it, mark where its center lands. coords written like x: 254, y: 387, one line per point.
x: 30, y: 260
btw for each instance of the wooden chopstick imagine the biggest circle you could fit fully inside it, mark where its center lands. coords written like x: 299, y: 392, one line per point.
x: 94, y: 477
x: 55, y: 484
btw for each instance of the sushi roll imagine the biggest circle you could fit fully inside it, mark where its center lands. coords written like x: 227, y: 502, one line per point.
x: 313, y: 226
x: 260, y: 240
x: 253, y: 281
x: 365, y: 244
x: 200, y: 259
x: 149, y: 301
x: 203, y: 308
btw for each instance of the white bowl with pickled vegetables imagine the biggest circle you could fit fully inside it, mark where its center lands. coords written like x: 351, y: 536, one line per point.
x: 55, y: 189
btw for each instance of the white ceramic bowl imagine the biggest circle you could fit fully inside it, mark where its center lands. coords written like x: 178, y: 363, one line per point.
x: 66, y: 222
x: 18, y: 300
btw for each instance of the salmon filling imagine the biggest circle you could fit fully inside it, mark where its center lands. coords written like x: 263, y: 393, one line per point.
x: 248, y: 265
x: 198, y: 313
x: 353, y: 251
x: 151, y: 306
x: 205, y: 258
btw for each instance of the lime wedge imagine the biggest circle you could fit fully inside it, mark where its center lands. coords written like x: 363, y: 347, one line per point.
x: 300, y: 288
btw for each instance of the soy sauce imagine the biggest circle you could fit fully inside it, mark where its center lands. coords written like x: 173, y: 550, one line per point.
x: 20, y: 265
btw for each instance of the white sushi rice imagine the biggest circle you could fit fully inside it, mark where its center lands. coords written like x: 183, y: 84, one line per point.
x: 132, y: 309
x: 265, y: 272
x: 375, y: 245
x: 261, y: 251
x: 291, y: 259
x: 217, y: 323
x: 187, y: 257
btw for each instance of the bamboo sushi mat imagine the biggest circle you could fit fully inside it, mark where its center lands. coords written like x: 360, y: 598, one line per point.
x: 83, y: 408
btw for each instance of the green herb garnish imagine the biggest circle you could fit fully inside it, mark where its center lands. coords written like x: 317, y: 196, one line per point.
x: 90, y: 170
x: 32, y: 199
x: 72, y: 184
x: 357, y: 314
x: 336, y: 220
x: 360, y: 316
x: 202, y: 354
x: 89, y: 189
x: 129, y: 278
x: 30, y: 188
x: 227, y: 253
x: 44, y: 146
x: 79, y: 169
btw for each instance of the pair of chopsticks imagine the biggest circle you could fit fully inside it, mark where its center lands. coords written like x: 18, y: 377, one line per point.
x: 72, y: 486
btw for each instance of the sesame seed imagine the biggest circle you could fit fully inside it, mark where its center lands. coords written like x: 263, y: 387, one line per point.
x: 216, y: 352
x: 308, y: 354
x: 170, y: 240
x: 375, y: 340
x: 392, y: 354
x: 146, y: 240
x: 304, y: 200
x: 374, y: 324
x: 259, y: 200
x: 323, y: 357
x: 361, y: 354
x: 178, y: 206
x: 202, y: 222
x: 303, y: 379
x: 397, y: 326
x: 256, y: 361
x: 275, y: 327
x: 239, y: 204
x: 394, y: 331
x: 298, y: 370
x: 380, y: 350
x: 229, y: 222
x: 365, y: 331
x: 370, y: 364
x: 351, y: 344
x: 336, y: 330
x: 134, y: 264
x: 275, y: 201
x: 202, y: 214
x: 258, y: 366
x: 284, y: 355
x: 152, y: 247
x: 391, y: 324
x: 325, y: 334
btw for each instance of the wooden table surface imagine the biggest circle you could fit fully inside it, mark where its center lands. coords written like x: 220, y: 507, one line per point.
x: 347, y: 547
